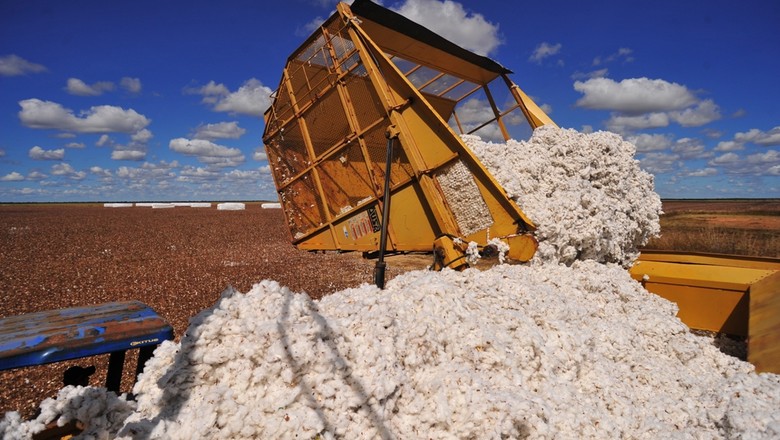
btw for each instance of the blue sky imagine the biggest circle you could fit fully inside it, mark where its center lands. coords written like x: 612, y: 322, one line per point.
x: 163, y: 100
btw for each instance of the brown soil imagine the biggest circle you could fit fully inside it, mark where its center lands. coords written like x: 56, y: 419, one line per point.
x: 177, y: 261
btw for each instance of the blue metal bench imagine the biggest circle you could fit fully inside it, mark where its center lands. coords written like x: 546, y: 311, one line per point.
x: 78, y: 332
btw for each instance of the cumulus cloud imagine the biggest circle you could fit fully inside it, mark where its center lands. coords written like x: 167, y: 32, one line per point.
x: 99, y: 171
x: 703, y: 172
x: 128, y: 154
x: 132, y: 85
x: 544, y: 50
x: 688, y: 148
x: 38, y: 153
x: 36, y: 113
x: 259, y: 154
x: 660, y: 162
x: 633, y: 95
x: 646, y: 143
x: 36, y: 175
x: 207, y: 152
x: 452, y: 21
x: 141, y: 136
x: 622, y: 124
x: 104, y: 140
x: 623, y: 53
x: 252, y: 98
x: 13, y: 65
x: 701, y: 114
x: 65, y: 170
x: 726, y: 146
x: 2, y: 152
x: 78, y: 87
x: 12, y: 177
x: 75, y: 145
x: 758, y: 137
x: 757, y: 164
x: 220, y: 130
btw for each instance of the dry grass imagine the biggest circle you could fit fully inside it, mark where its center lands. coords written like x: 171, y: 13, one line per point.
x: 736, y: 227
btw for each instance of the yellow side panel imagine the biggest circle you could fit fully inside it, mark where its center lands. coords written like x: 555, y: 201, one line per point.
x: 715, y: 310
x: 764, y: 332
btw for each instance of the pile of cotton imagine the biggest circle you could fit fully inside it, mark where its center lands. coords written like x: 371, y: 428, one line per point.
x: 585, y: 192
x: 516, y: 351
x: 101, y: 412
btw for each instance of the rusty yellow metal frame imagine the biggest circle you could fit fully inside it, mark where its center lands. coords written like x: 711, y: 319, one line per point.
x: 721, y: 293
x: 354, y: 77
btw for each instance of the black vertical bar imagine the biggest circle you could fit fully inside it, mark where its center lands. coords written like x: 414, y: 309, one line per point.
x: 144, y: 354
x: 379, y: 270
x: 116, y: 362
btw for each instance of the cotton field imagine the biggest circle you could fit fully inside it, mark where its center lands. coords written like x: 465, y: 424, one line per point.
x: 568, y: 346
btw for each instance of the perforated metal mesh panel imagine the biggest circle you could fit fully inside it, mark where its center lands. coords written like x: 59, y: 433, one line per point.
x: 300, y: 202
x: 368, y: 108
x: 345, y: 179
x: 327, y: 123
x: 287, y: 152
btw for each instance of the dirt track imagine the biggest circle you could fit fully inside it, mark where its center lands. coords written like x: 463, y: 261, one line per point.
x: 177, y: 261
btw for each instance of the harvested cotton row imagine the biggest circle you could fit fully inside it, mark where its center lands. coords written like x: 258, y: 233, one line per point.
x: 585, y: 192
x: 231, y: 206
x: 117, y: 205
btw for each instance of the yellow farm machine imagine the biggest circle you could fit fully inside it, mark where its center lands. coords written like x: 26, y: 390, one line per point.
x: 363, y: 140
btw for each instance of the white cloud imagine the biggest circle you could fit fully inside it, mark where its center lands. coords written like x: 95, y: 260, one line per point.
x: 220, y: 130
x: 78, y: 87
x: 622, y: 53
x: 12, y: 177
x: 758, y: 137
x: 633, y: 95
x: 38, y: 153
x: 36, y: 113
x: 141, y: 136
x: 104, y: 140
x: 132, y: 85
x: 451, y: 20
x: 2, y: 152
x: 725, y: 159
x: 703, y: 172
x: 13, y: 65
x: 197, y: 173
x: 660, y: 162
x: 544, y: 50
x: 98, y: 171
x: 36, y: 175
x: 309, y: 28
x: 259, y: 154
x: 726, y: 146
x: 65, y: 170
x: 646, y: 143
x: 703, y: 113
x: 623, y: 124
x: 75, y: 145
x: 128, y: 154
x: 757, y: 164
x: 208, y: 152
x: 688, y: 148
x: 252, y: 98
